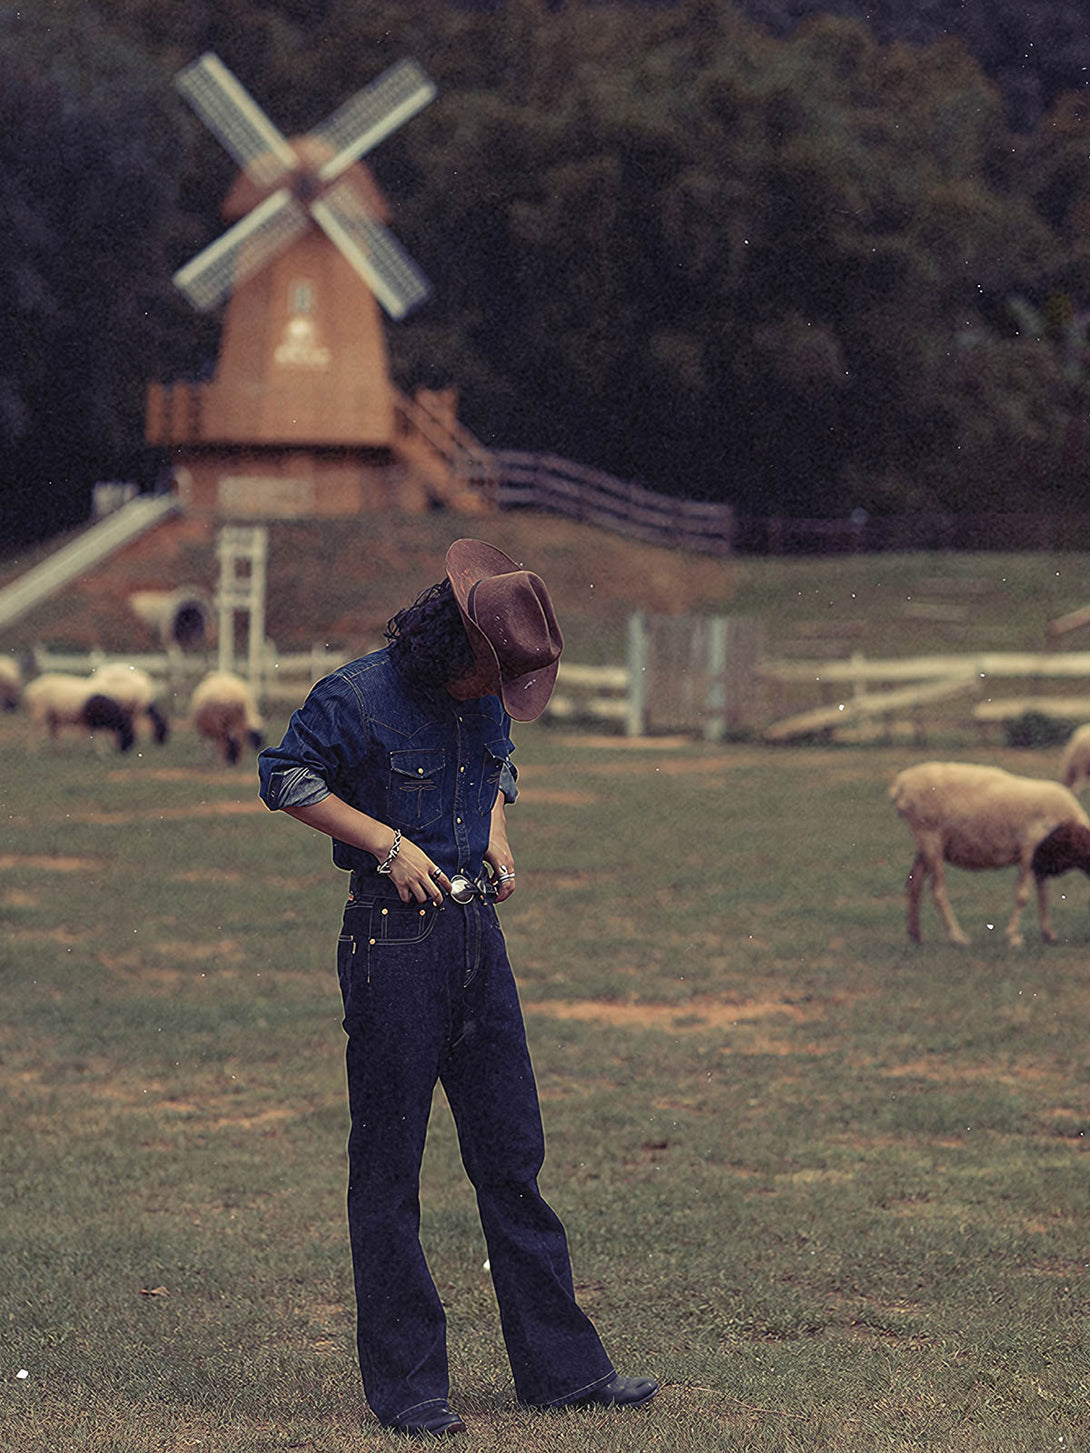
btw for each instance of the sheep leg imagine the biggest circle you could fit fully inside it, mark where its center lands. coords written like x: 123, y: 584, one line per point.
x: 1021, y: 898
x: 1043, y: 915
x: 913, y: 885
x: 942, y: 903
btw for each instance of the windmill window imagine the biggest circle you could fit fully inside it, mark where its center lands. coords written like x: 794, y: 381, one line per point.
x: 302, y: 297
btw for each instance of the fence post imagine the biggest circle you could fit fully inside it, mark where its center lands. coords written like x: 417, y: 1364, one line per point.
x: 636, y: 718
x: 715, y: 716
x: 243, y: 551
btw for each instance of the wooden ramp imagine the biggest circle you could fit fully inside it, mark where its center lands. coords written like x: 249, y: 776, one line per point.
x: 869, y: 706
x: 88, y: 549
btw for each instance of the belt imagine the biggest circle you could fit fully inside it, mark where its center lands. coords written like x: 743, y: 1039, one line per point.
x: 463, y: 888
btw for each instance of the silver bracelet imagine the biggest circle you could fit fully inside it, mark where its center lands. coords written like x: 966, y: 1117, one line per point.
x: 392, y: 854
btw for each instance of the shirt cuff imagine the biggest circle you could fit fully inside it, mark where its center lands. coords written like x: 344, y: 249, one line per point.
x: 508, y: 783
x: 294, y: 787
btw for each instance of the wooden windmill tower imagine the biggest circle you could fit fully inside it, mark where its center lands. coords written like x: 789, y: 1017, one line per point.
x: 302, y: 417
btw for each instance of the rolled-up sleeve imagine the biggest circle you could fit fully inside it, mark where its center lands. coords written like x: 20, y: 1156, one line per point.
x: 303, y: 768
x: 509, y: 781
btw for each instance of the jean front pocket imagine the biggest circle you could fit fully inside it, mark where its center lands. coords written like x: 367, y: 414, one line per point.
x: 415, y: 788
x: 380, y: 943
x: 400, y: 924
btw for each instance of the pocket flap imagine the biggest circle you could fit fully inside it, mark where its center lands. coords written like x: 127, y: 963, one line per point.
x: 418, y: 761
x: 501, y: 748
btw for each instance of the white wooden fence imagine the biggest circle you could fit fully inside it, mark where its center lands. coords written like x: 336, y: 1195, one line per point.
x: 858, y: 689
x: 596, y: 693
x: 682, y: 674
x: 707, y: 677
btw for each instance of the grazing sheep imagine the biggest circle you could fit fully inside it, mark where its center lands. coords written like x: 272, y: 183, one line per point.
x: 224, y: 711
x: 11, y: 685
x: 982, y: 817
x: 1075, y: 762
x: 134, y: 691
x: 57, y: 700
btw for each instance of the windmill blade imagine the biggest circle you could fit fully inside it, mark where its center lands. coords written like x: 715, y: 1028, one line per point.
x: 372, y: 250
x: 373, y: 113
x: 242, y: 249
x: 235, y: 118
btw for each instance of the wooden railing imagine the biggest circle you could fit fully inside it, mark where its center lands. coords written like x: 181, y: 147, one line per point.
x: 546, y: 482
x: 462, y: 456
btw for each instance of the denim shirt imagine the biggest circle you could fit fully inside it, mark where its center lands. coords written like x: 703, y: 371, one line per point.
x: 419, y: 761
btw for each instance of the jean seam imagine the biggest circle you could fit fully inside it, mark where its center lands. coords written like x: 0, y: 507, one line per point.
x: 570, y: 1397
x: 427, y: 1403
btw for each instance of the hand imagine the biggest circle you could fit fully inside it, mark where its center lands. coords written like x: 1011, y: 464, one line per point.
x: 500, y: 859
x: 414, y: 875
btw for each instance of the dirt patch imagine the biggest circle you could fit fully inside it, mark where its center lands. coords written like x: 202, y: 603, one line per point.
x: 555, y: 879
x: 696, y: 1015
x: 51, y: 935
x: 208, y: 777
x: 638, y: 744
x: 559, y: 796
x: 930, y: 1069
x: 209, y: 875
x: 238, y: 808
x: 43, y: 863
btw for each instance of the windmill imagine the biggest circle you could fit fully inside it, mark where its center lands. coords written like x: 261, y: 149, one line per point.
x: 304, y: 184
x: 302, y: 416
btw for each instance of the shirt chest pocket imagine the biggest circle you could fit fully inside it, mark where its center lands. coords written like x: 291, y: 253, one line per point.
x: 497, y: 757
x: 415, y: 788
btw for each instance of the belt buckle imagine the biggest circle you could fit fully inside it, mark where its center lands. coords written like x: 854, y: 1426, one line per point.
x: 463, y: 888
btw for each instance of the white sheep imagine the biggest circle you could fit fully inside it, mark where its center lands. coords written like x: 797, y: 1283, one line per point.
x: 57, y: 700
x: 1075, y: 762
x: 135, y: 692
x: 983, y: 817
x: 224, y: 711
x: 11, y: 684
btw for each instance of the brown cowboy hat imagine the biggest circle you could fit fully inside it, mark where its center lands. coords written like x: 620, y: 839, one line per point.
x: 511, y: 625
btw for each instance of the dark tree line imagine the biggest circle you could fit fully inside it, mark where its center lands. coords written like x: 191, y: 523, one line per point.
x: 807, y: 263
x: 1034, y: 50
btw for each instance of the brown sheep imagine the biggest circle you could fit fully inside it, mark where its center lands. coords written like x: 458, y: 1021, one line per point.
x: 223, y: 711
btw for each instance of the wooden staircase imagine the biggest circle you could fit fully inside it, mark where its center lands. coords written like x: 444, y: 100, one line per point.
x: 452, y: 466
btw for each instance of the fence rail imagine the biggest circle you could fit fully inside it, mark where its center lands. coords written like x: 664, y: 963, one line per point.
x: 878, y: 689
x: 591, y: 692
x: 558, y: 486
x: 707, y: 677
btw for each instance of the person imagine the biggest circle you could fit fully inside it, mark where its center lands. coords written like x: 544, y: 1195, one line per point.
x: 403, y: 758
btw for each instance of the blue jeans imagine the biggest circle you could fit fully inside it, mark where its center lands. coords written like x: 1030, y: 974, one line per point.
x: 429, y: 997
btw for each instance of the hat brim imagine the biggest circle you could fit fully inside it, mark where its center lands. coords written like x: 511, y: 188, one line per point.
x: 524, y: 697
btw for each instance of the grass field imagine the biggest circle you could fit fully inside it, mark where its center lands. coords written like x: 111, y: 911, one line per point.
x: 830, y: 1188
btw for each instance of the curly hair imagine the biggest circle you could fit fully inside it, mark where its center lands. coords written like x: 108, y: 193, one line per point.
x: 428, y: 641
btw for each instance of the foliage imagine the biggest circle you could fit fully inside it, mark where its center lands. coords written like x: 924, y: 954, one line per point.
x: 769, y: 262
x: 1034, y: 53
x: 1034, y: 729
x: 87, y: 140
